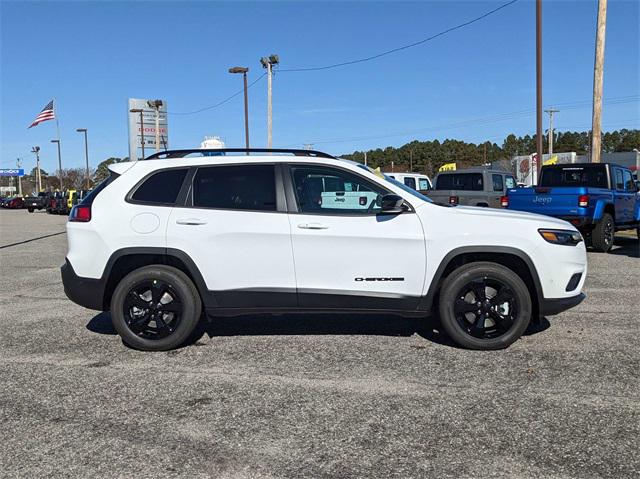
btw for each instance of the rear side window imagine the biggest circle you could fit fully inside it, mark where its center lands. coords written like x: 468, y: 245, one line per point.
x: 410, y: 182
x: 423, y: 184
x: 498, y: 183
x: 460, y: 181
x: 161, y: 187
x: 238, y: 187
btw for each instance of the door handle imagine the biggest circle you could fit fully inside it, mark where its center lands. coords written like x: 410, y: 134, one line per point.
x: 191, y: 222
x: 313, y: 226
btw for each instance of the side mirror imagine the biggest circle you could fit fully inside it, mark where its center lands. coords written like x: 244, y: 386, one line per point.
x: 392, y: 204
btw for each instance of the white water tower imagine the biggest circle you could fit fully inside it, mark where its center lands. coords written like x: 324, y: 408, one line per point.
x: 212, y: 143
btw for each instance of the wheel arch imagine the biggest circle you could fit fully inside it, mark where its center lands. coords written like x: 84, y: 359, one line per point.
x: 512, y: 258
x: 603, y: 207
x: 126, y: 260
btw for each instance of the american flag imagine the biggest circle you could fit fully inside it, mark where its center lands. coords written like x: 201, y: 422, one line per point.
x: 47, y: 113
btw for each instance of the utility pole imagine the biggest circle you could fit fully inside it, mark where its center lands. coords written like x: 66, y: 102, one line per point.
x: 59, y: 163
x: 141, y: 111
x: 19, y: 178
x: 365, y: 158
x: 86, y: 154
x: 484, y: 153
x: 244, y: 71
x: 598, y: 71
x: 411, y: 160
x: 551, y: 111
x: 156, y: 105
x: 268, y: 62
x: 539, y: 143
x: 36, y: 150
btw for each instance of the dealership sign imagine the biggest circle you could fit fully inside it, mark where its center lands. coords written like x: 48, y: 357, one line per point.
x: 12, y: 172
x: 153, y: 127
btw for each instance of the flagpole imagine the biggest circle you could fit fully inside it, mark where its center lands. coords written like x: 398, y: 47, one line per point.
x: 55, y: 114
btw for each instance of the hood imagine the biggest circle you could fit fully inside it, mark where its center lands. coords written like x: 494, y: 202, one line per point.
x: 547, y: 221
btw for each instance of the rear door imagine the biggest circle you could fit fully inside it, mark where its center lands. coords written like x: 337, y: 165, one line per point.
x: 235, y: 228
x: 346, y: 254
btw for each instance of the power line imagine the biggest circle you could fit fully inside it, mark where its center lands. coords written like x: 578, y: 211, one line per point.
x: 404, y: 47
x: 220, y: 103
x: 479, y: 121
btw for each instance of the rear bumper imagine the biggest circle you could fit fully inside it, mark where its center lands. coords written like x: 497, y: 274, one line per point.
x: 552, y: 306
x: 87, y: 292
x: 580, y: 222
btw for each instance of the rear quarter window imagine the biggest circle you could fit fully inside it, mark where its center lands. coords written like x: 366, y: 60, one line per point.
x: 160, y: 188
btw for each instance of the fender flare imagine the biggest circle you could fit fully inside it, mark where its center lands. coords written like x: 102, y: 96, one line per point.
x: 427, y: 301
x: 600, y: 207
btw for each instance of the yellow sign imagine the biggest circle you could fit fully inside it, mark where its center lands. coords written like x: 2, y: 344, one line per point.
x: 448, y: 167
x: 551, y: 161
x: 378, y: 172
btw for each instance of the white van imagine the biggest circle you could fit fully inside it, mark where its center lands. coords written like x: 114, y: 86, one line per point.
x: 413, y: 180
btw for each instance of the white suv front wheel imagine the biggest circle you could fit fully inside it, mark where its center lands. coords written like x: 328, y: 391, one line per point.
x: 155, y: 308
x: 484, y: 305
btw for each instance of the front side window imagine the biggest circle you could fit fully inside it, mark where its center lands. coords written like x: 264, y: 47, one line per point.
x: 619, y: 180
x: 161, y: 187
x: 410, y: 182
x: 498, y: 183
x: 629, y: 184
x: 236, y: 187
x: 328, y: 190
x: 510, y: 182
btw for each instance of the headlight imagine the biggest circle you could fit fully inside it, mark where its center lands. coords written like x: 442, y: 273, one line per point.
x: 563, y: 237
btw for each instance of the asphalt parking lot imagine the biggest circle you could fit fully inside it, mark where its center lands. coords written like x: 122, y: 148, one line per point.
x: 320, y: 396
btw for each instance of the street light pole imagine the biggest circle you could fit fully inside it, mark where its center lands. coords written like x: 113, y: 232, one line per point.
x: 36, y: 150
x: 86, y: 153
x: 19, y: 178
x: 268, y: 62
x: 59, y: 163
x: 140, y: 110
x: 244, y: 71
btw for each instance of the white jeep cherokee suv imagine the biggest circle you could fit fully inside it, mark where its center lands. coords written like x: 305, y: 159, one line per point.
x: 229, y: 232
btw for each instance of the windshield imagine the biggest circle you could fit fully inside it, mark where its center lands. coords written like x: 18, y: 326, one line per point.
x: 395, y: 182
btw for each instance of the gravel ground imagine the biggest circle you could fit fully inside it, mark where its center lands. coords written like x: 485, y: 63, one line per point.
x: 320, y: 396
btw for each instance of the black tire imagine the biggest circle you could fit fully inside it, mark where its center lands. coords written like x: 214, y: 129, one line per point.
x: 138, y: 300
x: 497, y: 326
x: 603, y: 234
x: 30, y: 210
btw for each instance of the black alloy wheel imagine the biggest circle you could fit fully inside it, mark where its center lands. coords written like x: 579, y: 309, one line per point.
x: 156, y: 308
x: 153, y: 309
x: 484, y: 305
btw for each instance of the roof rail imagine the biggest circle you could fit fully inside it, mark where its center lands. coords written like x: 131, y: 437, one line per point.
x: 248, y: 151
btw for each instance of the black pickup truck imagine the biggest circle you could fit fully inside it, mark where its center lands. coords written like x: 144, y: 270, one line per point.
x: 32, y: 203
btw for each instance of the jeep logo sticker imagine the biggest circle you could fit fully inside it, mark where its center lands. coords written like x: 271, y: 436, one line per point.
x: 542, y: 200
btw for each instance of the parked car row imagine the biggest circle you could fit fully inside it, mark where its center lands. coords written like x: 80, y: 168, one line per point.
x: 58, y: 202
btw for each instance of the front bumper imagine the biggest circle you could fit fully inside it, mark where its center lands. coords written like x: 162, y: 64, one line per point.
x: 552, y: 306
x: 87, y: 292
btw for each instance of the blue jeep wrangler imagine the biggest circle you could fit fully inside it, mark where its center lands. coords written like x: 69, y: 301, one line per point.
x: 597, y: 198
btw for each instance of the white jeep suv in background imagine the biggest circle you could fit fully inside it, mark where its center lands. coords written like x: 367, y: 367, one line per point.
x: 230, y: 232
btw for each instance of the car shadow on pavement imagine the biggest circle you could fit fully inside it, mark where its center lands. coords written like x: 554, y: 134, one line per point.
x: 626, y: 245
x: 292, y: 324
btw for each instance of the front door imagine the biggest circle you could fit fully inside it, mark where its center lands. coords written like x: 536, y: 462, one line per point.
x: 348, y: 255
x: 232, y: 229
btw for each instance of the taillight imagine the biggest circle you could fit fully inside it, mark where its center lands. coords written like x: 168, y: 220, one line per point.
x: 583, y: 201
x: 453, y: 200
x: 504, y: 201
x: 80, y: 213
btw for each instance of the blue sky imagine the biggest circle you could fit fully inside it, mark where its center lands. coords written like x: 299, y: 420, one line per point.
x: 92, y: 56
